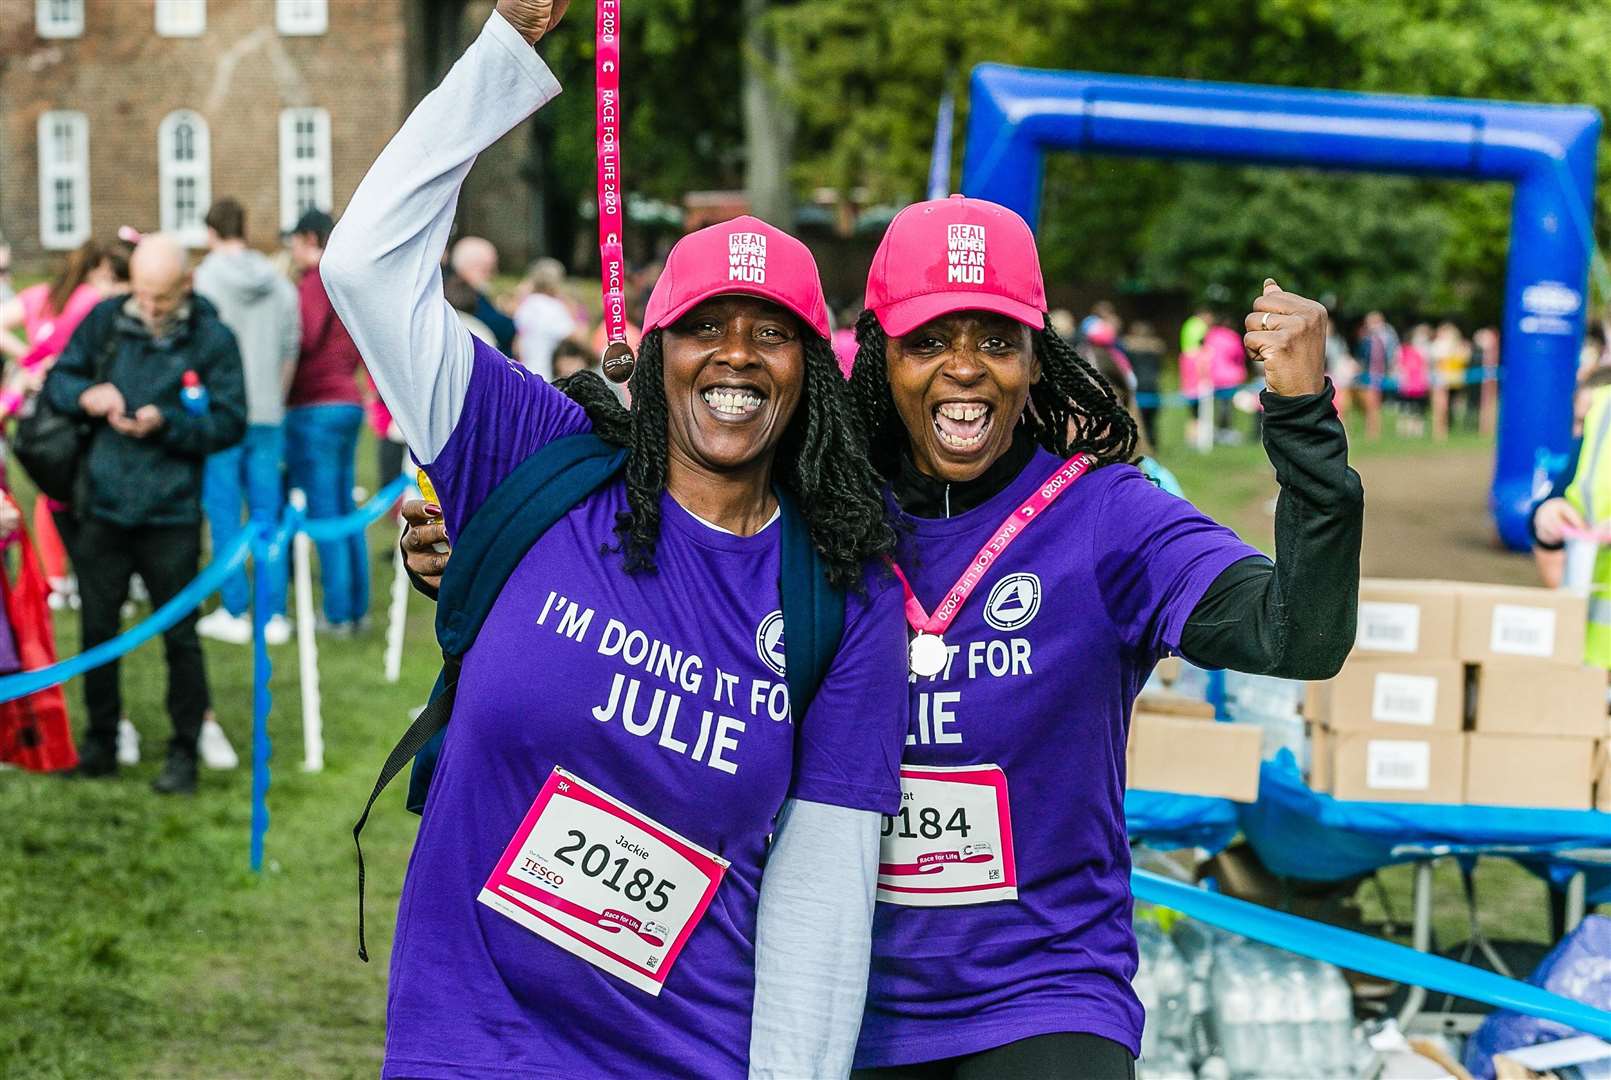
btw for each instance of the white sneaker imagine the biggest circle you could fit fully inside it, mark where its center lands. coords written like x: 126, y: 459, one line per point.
x: 216, y: 753
x: 277, y: 631
x: 128, y: 743
x: 222, y: 626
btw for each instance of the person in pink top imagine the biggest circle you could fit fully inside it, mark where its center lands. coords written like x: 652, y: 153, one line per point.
x: 49, y: 312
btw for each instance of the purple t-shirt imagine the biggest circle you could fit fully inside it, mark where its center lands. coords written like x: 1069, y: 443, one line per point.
x: 473, y: 993
x: 1046, y: 659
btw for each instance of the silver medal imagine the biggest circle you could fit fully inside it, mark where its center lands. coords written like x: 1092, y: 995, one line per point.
x: 928, y: 654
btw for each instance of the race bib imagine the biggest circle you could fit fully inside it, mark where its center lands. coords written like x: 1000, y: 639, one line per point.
x: 951, y: 842
x: 603, y: 882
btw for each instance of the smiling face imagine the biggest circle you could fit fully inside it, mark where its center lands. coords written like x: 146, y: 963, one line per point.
x: 734, y: 375
x: 960, y: 382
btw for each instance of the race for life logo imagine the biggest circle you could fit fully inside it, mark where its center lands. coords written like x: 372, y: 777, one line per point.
x: 965, y: 254
x: 746, y: 257
x: 769, y: 641
x: 1013, y: 602
x: 1548, y: 308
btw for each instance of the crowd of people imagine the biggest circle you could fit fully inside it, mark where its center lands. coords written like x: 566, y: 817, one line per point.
x: 1433, y: 381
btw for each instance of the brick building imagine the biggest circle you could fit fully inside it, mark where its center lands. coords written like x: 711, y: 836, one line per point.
x: 140, y: 112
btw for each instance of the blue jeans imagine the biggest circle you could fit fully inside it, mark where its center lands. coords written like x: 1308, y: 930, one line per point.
x: 321, y: 446
x: 255, y: 468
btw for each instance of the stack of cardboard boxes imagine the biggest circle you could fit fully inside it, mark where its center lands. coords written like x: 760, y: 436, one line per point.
x: 1462, y: 693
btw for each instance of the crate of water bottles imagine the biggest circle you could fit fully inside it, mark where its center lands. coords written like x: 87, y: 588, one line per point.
x: 1221, y: 1007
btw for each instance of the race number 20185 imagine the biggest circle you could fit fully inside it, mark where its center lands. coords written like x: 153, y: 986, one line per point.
x: 603, y: 881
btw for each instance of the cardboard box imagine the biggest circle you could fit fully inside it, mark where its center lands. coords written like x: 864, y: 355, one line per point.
x: 1194, y: 757
x: 1407, y: 618
x: 1515, y: 697
x: 1502, y: 622
x: 1368, y: 767
x: 1402, y: 694
x: 1164, y: 703
x: 1533, y: 771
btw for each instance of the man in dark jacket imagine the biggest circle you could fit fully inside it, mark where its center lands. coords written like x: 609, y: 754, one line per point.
x: 160, y: 376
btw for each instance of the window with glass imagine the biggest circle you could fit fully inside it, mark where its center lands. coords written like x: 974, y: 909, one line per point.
x: 184, y: 165
x: 59, y: 18
x: 299, y: 17
x: 181, y: 18
x: 304, y: 163
x: 64, y: 212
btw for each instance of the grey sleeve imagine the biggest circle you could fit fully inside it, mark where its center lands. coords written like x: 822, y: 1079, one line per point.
x: 813, y: 942
x: 290, y: 324
x: 382, y: 267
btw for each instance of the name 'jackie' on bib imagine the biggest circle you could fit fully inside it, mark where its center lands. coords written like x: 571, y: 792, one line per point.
x: 928, y: 650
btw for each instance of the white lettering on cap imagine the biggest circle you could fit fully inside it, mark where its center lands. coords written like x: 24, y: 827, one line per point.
x: 965, y: 254
x: 746, y: 257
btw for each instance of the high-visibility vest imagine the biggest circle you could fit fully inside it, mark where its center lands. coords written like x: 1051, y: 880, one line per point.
x: 1590, y: 494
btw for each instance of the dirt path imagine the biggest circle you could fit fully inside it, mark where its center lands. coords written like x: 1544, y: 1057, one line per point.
x: 1426, y: 516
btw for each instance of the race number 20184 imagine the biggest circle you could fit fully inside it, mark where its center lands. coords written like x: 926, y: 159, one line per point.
x: 951, y: 841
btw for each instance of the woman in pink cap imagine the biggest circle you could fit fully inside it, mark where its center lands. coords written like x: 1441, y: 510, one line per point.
x: 621, y: 728
x: 1045, y: 577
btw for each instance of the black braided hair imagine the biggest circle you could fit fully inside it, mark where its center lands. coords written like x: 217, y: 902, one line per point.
x: 1069, y: 390
x: 821, y: 461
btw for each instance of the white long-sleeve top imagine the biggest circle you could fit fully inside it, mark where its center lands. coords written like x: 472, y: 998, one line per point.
x: 382, y: 269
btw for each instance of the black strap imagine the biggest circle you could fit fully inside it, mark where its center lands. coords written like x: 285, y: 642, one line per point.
x: 432, y: 718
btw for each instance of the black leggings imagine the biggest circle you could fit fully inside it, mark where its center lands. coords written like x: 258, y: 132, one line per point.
x: 1060, y: 1056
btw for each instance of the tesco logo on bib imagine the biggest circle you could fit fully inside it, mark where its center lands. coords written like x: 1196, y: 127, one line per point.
x: 965, y: 254
x: 746, y: 258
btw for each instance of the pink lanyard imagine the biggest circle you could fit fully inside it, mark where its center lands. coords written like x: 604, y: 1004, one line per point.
x: 618, y: 361
x: 928, y: 647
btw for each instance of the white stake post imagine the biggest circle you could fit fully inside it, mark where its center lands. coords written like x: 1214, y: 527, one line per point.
x: 398, y: 618
x: 1205, y: 416
x: 307, y: 648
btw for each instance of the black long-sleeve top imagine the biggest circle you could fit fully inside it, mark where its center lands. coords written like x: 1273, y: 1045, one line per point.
x: 1292, y: 618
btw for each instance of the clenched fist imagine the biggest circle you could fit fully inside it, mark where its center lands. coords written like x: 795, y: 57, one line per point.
x: 533, y: 18
x: 1287, y: 332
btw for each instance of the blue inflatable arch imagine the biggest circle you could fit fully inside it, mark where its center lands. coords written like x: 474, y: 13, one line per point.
x: 1546, y: 151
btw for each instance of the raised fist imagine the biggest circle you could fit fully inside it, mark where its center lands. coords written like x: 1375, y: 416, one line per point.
x: 533, y: 18
x: 1288, y: 333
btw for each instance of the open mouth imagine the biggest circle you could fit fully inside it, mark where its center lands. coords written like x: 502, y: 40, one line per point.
x: 962, y: 425
x: 734, y: 403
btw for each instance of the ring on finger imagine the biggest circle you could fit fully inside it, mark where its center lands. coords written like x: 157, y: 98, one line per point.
x: 1264, y: 323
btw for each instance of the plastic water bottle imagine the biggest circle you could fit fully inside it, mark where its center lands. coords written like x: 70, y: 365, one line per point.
x: 1236, y: 1021
x: 1334, y: 1014
x: 193, y: 395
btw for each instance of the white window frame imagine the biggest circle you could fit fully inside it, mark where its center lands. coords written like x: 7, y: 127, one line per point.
x: 301, y: 18
x: 308, y: 173
x: 59, y: 18
x: 181, y: 18
x: 175, y: 173
x: 71, y: 170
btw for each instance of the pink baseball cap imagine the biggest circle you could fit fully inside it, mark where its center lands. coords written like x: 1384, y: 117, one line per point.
x: 744, y: 255
x: 956, y: 254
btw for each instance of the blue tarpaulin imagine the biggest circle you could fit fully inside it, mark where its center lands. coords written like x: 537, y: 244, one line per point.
x: 1164, y: 820
x: 1299, y: 833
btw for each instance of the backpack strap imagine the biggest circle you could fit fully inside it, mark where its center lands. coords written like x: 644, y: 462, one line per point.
x: 813, y: 611
x: 525, y: 504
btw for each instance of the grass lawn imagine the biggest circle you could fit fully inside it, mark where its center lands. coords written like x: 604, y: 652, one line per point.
x: 139, y: 944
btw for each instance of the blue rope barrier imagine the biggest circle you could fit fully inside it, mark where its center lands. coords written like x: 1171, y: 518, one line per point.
x: 1175, y: 399
x: 325, y: 529
x: 168, y: 615
x: 209, y: 581
x: 1360, y: 952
